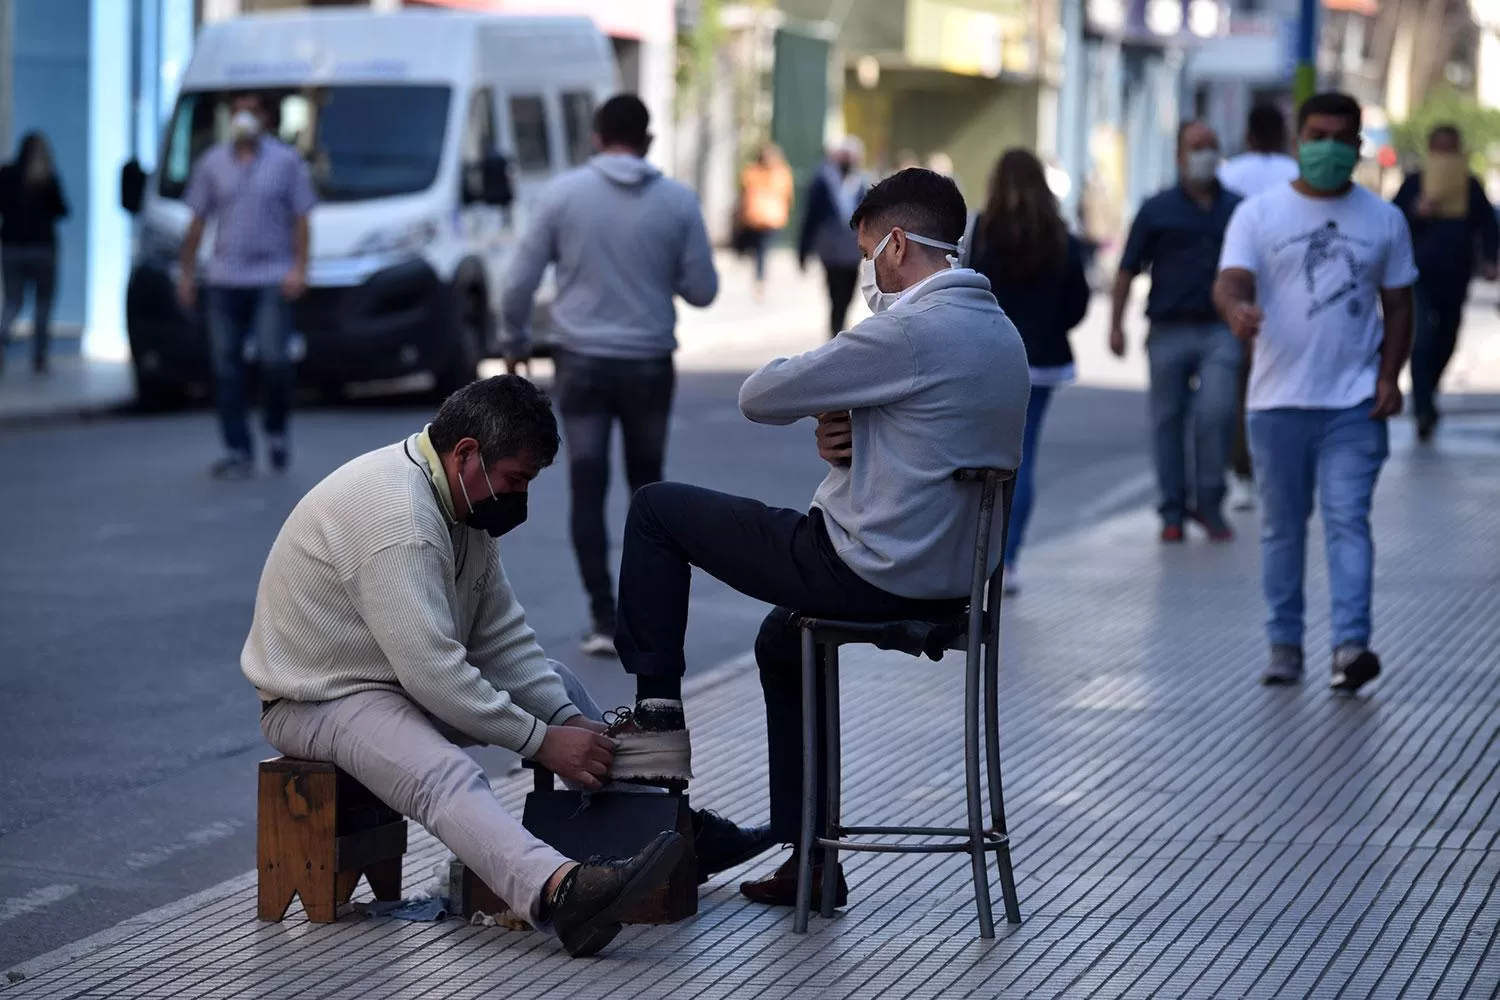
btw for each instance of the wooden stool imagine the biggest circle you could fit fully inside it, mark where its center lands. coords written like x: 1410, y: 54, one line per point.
x: 317, y: 831
x: 608, y: 824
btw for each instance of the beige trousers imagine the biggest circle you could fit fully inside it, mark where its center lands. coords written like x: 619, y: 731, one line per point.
x: 416, y: 765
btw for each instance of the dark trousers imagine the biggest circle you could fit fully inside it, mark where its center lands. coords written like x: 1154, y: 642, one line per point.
x: 778, y: 556
x: 23, y: 267
x: 235, y: 315
x: 842, y: 281
x: 1440, y: 312
x: 758, y: 241
x: 592, y: 393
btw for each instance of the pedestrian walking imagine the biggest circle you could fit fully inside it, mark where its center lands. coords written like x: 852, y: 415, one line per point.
x: 766, y: 190
x: 1195, y: 361
x: 31, y: 204
x: 1449, y: 215
x: 1263, y: 165
x: 1319, y: 275
x: 1036, y: 270
x: 625, y: 240
x: 830, y: 202
x: 257, y: 191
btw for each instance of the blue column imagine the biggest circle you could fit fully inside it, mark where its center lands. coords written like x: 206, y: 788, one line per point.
x: 110, y: 127
x: 1305, y: 79
x: 1072, y: 113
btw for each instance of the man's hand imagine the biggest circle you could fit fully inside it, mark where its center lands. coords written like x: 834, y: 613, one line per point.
x: 187, y: 291
x: 576, y: 754
x: 1244, y: 320
x: 1117, y: 341
x: 835, y: 437
x: 1489, y: 270
x: 294, y: 284
x: 584, y: 722
x: 1387, y: 399
x: 518, y: 366
x: 1424, y: 206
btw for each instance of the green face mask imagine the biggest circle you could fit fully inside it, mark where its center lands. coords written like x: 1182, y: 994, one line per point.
x: 1327, y: 164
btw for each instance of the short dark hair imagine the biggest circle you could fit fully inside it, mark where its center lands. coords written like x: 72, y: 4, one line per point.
x: 1445, y: 131
x: 1330, y: 102
x: 506, y: 414
x: 918, y: 200
x: 623, y: 121
x: 1266, y: 128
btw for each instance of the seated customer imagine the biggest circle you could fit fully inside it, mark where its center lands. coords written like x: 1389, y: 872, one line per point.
x: 935, y: 381
x: 386, y: 636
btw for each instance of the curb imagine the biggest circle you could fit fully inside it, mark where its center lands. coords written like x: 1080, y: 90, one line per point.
x: 69, y: 413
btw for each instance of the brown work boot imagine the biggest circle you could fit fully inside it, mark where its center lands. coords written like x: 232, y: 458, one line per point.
x: 780, y: 887
x: 652, y: 746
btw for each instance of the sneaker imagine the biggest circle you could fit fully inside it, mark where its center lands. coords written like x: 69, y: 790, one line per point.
x: 281, y: 453
x: 1354, y: 666
x: 780, y: 887
x: 721, y: 845
x: 1218, y: 529
x: 586, y: 908
x: 652, y: 746
x: 598, y: 642
x: 1241, y: 494
x: 1285, y: 666
x: 1012, y: 585
x: 1171, y: 534
x: 233, y: 466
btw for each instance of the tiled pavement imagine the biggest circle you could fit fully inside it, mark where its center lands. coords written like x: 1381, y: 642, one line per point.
x: 1179, y: 831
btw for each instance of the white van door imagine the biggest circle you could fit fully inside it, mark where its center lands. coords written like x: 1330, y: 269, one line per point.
x: 484, y: 227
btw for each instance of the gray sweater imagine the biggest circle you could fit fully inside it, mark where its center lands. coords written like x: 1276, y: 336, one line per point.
x: 625, y: 240
x: 936, y: 383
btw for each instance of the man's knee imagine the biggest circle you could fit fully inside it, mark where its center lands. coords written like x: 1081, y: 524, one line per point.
x: 778, y: 648
x: 660, y: 504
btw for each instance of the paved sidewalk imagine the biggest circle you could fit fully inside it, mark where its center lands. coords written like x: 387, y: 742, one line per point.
x: 74, y: 387
x: 1179, y: 830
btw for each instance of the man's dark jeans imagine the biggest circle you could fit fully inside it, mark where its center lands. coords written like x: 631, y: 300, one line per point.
x: 1440, y: 313
x: 235, y: 315
x: 592, y: 393
x: 782, y: 557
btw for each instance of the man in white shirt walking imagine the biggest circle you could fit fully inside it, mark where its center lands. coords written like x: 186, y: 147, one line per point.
x: 1263, y: 165
x: 1319, y: 274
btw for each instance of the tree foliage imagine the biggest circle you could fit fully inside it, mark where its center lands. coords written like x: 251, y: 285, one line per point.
x: 1479, y: 125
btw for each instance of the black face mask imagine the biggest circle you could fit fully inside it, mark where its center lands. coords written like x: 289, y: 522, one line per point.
x: 495, y: 514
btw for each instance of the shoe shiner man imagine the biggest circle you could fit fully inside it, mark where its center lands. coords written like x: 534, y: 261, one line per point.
x: 1319, y: 274
x: 934, y: 381
x: 386, y: 637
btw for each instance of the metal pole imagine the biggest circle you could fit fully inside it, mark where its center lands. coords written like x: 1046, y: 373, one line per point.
x: 1305, y: 77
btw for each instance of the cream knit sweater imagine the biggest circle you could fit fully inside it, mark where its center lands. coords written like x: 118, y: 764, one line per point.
x: 372, y: 584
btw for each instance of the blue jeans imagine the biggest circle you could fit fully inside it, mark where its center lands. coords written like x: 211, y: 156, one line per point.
x: 1025, y: 495
x: 1178, y: 353
x: 234, y: 315
x: 1336, y: 454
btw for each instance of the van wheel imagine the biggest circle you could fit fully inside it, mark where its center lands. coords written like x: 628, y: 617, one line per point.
x: 464, y: 367
x: 154, y: 394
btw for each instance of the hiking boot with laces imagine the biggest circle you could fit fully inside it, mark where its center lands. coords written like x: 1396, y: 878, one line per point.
x: 652, y: 746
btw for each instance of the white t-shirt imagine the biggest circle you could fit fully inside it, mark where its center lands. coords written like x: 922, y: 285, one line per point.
x: 1251, y: 173
x: 1319, y: 266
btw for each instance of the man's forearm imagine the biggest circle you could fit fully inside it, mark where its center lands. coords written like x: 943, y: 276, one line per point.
x: 188, y: 257
x: 300, y: 243
x: 1395, y: 349
x: 1119, y: 297
x: 1232, y: 289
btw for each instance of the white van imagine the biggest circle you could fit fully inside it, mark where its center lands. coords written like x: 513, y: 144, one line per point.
x: 427, y: 134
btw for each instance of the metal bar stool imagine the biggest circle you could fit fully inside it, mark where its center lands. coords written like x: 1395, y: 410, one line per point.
x: 977, y: 632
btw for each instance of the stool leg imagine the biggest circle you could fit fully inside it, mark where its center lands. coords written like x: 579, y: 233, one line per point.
x: 834, y: 752
x: 809, y: 781
x: 997, y: 787
x: 385, y: 879
x: 976, y: 798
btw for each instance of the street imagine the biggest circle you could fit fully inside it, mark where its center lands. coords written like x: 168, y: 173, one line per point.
x: 129, y: 575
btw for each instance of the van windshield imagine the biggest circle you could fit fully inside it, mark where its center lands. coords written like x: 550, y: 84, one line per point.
x: 359, y: 141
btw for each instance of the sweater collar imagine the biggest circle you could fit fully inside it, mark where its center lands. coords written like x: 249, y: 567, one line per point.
x: 433, y: 465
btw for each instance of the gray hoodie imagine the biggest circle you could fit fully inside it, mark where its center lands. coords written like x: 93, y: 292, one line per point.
x: 936, y: 383
x: 625, y: 240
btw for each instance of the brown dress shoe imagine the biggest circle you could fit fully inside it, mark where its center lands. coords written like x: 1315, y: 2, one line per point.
x: 780, y: 887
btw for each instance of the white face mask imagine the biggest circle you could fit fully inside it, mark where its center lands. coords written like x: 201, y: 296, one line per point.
x: 1202, y: 165
x: 244, y: 125
x: 869, y: 283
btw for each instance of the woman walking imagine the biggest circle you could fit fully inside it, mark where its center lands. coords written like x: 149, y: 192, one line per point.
x: 31, y: 202
x: 1036, y: 270
x: 765, y: 205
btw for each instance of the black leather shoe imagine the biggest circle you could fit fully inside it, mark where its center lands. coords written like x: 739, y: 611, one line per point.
x: 720, y: 844
x: 588, y: 904
x: 780, y: 887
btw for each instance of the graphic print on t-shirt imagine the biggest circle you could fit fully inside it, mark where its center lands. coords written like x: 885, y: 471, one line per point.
x: 1329, y: 255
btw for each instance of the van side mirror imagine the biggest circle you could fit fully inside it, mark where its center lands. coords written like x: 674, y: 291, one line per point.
x: 132, y: 186
x: 495, y: 185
